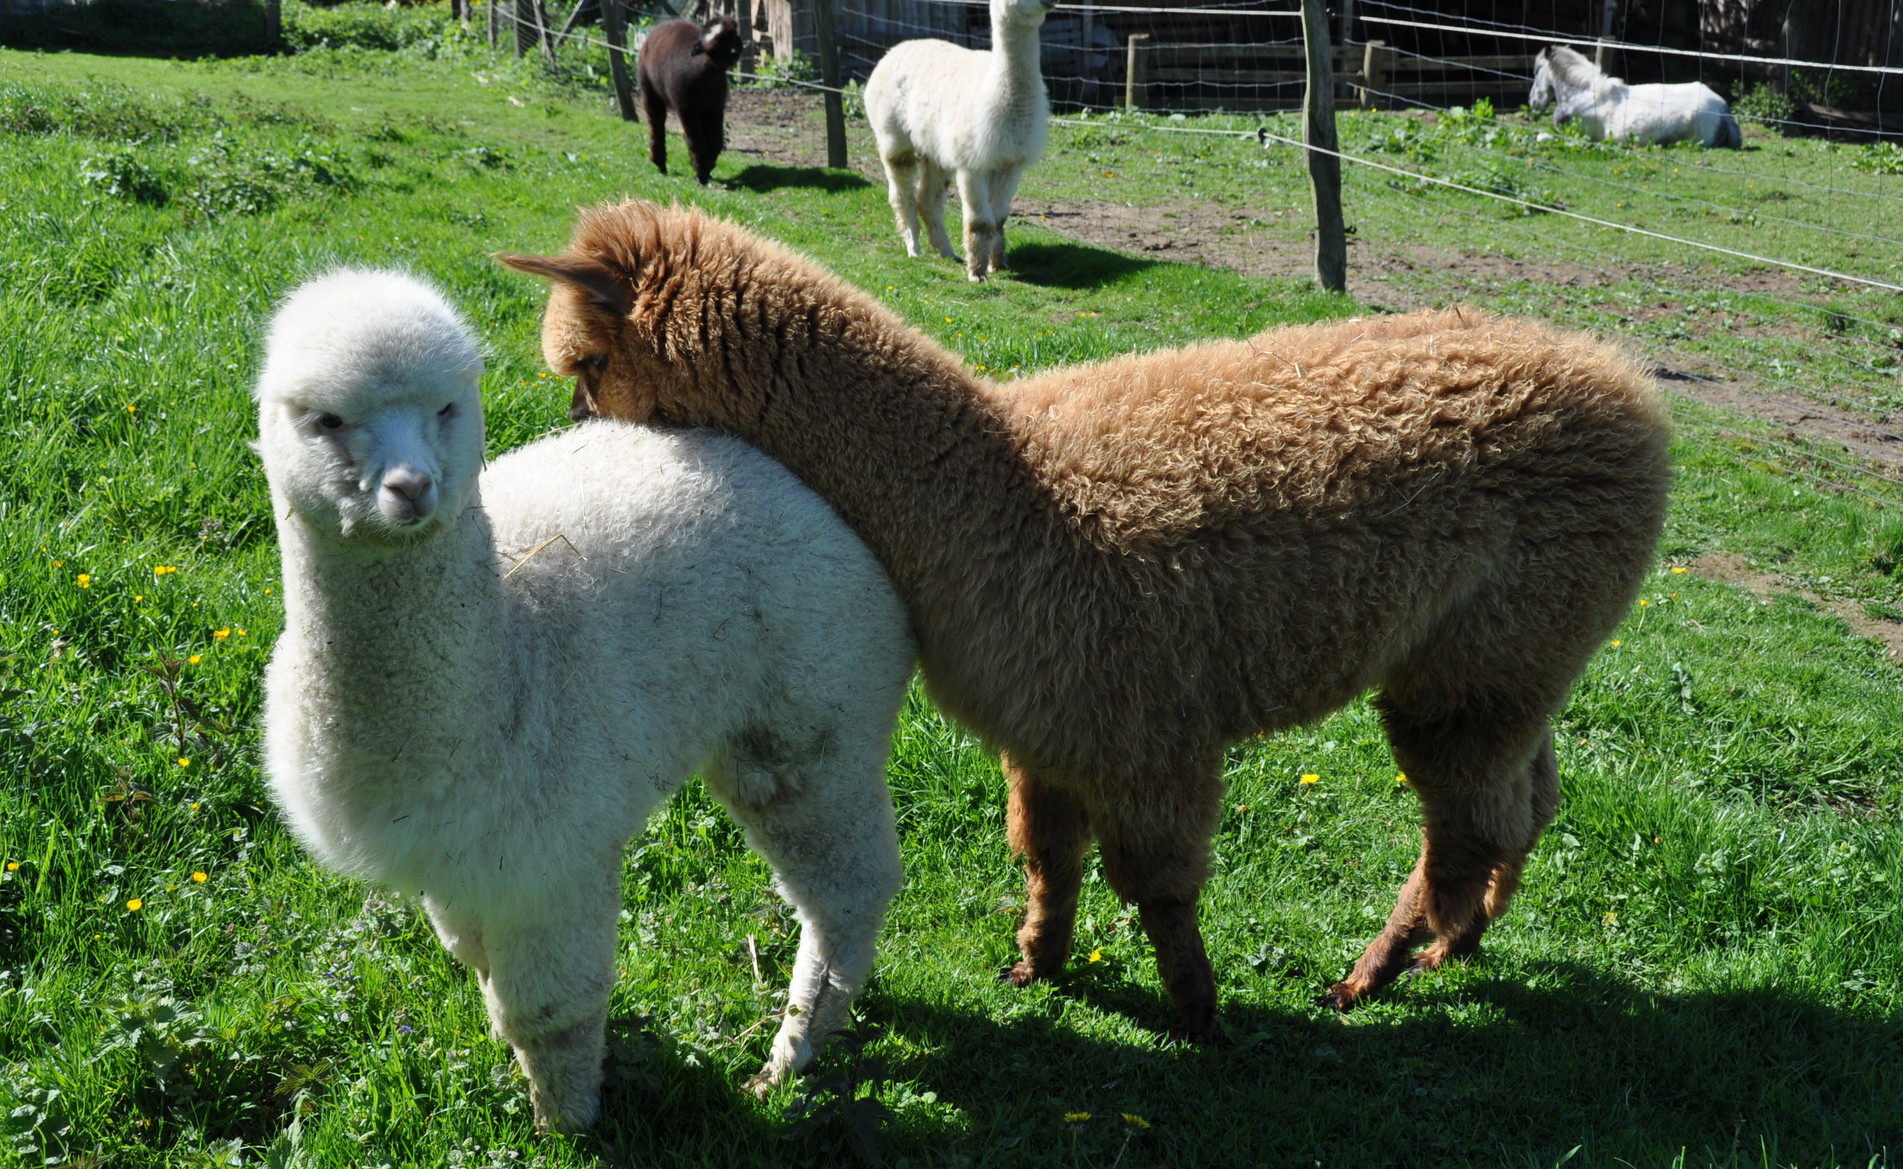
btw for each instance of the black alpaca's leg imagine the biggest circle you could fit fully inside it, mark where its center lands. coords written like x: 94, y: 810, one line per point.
x: 654, y: 109
x: 1051, y: 831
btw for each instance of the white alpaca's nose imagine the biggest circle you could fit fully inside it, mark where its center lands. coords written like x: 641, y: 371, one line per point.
x: 408, y: 493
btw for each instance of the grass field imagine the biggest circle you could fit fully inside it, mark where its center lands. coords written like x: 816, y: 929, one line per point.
x: 1705, y: 966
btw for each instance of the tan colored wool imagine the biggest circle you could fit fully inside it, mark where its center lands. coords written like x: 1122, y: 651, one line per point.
x: 1115, y: 570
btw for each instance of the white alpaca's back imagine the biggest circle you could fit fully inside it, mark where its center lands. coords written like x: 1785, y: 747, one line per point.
x: 489, y: 677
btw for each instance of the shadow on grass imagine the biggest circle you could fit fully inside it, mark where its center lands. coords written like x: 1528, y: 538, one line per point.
x: 1072, y: 265
x: 1492, y: 1073
x: 763, y: 177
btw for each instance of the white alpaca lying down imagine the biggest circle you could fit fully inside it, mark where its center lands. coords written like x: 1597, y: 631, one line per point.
x: 488, y: 678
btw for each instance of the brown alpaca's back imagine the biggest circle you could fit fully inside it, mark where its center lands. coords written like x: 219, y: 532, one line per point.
x: 1117, y: 569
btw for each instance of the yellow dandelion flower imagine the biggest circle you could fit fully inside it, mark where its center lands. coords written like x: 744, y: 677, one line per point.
x: 1401, y: 778
x: 163, y: 569
x: 85, y: 580
x: 201, y: 877
x: 221, y: 634
x: 13, y: 866
x: 137, y: 597
x: 1135, y: 1121
x: 130, y: 409
x: 184, y: 762
x: 59, y: 564
x: 1076, y: 1117
x: 194, y: 659
x: 1615, y: 643
x: 1643, y: 604
x: 241, y: 633
x: 1680, y: 571
x: 135, y: 905
x: 1096, y: 955
x: 1311, y: 777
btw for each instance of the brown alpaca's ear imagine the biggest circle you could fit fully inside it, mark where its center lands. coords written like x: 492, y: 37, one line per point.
x: 603, y: 286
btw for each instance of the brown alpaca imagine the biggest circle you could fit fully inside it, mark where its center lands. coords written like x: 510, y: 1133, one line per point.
x: 1115, y: 570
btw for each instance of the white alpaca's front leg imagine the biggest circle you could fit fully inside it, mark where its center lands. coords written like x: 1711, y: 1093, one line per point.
x: 551, y: 968
x: 931, y: 206
x: 1004, y: 189
x: 981, y: 231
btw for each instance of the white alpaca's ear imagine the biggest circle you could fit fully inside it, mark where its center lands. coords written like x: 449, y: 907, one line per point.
x: 604, y: 288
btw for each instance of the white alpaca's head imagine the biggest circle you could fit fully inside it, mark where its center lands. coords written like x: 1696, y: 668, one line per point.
x: 370, y: 408
x: 1021, y: 13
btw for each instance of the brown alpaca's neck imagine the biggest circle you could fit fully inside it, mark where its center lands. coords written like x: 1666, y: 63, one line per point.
x: 903, y: 443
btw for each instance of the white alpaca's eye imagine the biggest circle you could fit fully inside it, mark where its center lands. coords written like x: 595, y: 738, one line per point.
x: 330, y: 423
x: 448, y: 411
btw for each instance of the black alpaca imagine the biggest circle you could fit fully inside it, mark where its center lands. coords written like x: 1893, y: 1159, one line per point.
x: 684, y: 68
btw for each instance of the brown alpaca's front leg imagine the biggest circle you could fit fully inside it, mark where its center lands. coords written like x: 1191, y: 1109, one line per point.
x: 1051, y: 831
x: 1157, y: 856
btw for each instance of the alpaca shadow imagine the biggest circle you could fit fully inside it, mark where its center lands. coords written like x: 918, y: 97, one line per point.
x: 1497, y: 1071
x: 1072, y: 265
x: 763, y: 177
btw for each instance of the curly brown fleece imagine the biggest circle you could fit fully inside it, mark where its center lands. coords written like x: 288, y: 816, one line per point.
x: 1117, y: 569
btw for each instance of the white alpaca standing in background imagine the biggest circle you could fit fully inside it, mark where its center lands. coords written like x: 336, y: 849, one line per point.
x: 939, y: 110
x: 488, y: 678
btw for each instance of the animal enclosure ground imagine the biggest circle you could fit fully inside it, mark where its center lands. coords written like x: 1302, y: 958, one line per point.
x: 1705, y: 966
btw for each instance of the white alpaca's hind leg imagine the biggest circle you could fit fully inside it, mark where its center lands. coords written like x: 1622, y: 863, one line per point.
x: 901, y: 181
x: 931, y: 206
x: 1004, y: 188
x: 551, y: 968
x: 981, y: 231
x: 828, y: 832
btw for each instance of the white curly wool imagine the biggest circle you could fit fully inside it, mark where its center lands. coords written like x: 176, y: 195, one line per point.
x: 488, y: 678
x: 942, y: 112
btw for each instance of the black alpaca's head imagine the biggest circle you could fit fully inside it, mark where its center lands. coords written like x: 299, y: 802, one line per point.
x: 719, y: 42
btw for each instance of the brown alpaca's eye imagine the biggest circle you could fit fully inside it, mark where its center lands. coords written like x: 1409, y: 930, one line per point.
x: 597, y: 363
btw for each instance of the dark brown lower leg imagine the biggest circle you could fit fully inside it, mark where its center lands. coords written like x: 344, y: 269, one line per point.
x: 1050, y: 830
x: 1159, y: 859
x: 1183, y: 965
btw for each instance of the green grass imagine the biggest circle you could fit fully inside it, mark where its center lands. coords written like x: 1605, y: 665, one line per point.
x: 1705, y: 967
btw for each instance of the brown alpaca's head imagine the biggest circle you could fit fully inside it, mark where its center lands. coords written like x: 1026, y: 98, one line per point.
x: 625, y: 307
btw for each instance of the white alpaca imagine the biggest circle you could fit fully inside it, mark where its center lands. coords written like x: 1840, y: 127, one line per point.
x: 488, y: 678
x: 939, y: 110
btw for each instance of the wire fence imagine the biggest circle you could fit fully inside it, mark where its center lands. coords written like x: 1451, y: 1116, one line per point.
x: 1807, y: 333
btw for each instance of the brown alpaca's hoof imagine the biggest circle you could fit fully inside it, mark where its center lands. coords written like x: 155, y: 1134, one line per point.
x: 1018, y: 974
x: 1340, y: 996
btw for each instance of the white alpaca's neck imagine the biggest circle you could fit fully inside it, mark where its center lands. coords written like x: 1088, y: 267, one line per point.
x: 1017, y: 76
x: 397, y: 639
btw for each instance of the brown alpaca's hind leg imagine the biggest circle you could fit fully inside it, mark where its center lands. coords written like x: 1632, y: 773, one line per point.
x: 1158, y: 858
x: 1050, y: 830
x: 1484, y: 803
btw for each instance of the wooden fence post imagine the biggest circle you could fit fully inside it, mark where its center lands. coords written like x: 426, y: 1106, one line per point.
x: 1136, y: 85
x: 1318, y: 135
x: 614, y: 22
x: 1602, y: 55
x: 492, y: 5
x: 1374, y: 71
x: 829, y: 76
